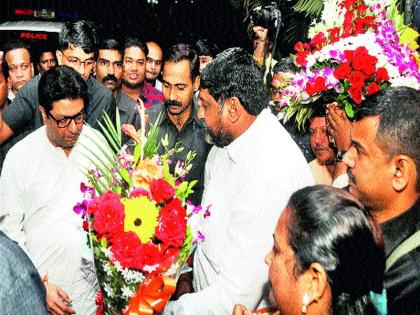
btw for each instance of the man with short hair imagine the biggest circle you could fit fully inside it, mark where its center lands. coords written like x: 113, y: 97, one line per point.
x: 154, y: 64
x: 134, y: 73
x: 109, y: 64
x: 40, y: 184
x: 17, y: 60
x: 46, y: 60
x: 323, y: 166
x: 206, y: 51
x: 179, y: 112
x: 76, y: 48
x: 384, y: 173
x: 250, y: 174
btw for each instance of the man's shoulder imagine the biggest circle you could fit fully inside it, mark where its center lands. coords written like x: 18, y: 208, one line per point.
x: 97, y: 89
x: 28, y: 143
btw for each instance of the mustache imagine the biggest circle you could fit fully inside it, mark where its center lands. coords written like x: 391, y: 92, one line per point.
x: 172, y: 103
x: 110, y: 77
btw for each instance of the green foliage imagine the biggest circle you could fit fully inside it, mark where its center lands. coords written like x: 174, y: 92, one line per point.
x: 311, y: 8
x: 186, y: 246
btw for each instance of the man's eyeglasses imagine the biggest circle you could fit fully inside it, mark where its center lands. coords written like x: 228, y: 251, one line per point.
x: 76, y: 62
x: 66, y: 120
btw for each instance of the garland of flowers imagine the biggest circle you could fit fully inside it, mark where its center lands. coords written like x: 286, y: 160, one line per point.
x: 354, y: 52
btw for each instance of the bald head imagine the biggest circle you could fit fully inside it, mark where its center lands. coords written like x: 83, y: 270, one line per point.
x: 154, y: 61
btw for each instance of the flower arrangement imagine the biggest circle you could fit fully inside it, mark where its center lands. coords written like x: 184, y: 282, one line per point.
x: 140, y: 224
x: 355, y: 51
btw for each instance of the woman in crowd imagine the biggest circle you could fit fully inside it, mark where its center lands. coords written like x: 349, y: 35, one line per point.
x: 327, y: 256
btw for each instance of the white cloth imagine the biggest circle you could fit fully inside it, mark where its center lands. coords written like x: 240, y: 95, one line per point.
x: 320, y: 172
x: 158, y: 85
x: 39, y: 186
x: 248, y: 184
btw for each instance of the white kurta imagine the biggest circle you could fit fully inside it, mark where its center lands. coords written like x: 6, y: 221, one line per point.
x: 248, y: 184
x: 39, y: 186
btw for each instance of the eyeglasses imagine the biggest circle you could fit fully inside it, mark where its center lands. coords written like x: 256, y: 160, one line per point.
x: 66, y: 120
x: 76, y: 62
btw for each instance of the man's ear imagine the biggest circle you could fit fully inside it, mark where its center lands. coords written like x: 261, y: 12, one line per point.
x: 403, y: 168
x: 59, y: 56
x: 196, y: 83
x: 43, y: 114
x: 32, y: 69
x: 233, y: 108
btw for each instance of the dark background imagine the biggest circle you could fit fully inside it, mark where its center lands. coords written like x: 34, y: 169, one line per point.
x: 168, y: 22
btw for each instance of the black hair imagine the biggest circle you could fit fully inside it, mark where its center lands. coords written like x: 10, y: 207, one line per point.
x: 180, y: 52
x: 78, y: 34
x: 135, y: 42
x: 110, y: 44
x: 267, y: 16
x: 205, y: 47
x: 234, y: 72
x: 285, y: 65
x: 59, y: 83
x: 12, y: 45
x: 398, y: 109
x: 331, y: 227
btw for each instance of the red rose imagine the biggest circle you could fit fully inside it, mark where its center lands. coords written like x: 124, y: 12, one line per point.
x: 334, y: 34
x: 361, y: 9
x: 319, y: 40
x: 381, y: 75
x: 161, y: 191
x: 356, y: 94
x: 348, y: 4
x: 108, y: 213
x: 368, y: 20
x: 359, y: 26
x: 343, y: 70
x: 301, y: 58
x: 150, y: 258
x: 357, y: 79
x: 349, y: 55
x: 170, y: 255
x: 348, y: 24
x: 299, y: 47
x: 127, y: 249
x: 372, y: 88
x: 172, y: 224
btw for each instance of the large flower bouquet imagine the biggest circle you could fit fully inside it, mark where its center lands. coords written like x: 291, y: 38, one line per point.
x: 139, y: 221
x: 357, y: 49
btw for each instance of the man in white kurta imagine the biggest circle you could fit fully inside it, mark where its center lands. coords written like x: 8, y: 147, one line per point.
x: 39, y: 186
x: 248, y: 181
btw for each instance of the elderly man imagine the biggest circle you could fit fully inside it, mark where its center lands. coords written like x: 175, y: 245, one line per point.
x: 384, y: 174
x: 250, y: 173
x: 40, y: 184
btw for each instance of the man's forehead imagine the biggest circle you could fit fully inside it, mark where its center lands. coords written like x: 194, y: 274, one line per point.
x: 109, y: 54
x: 18, y: 52
x: 318, y: 122
x: 134, y: 52
x: 78, y: 52
x: 365, y: 129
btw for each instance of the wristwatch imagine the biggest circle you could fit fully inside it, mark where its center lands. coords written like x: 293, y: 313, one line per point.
x: 340, y: 155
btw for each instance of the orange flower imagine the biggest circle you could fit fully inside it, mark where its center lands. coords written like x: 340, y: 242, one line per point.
x: 147, y: 171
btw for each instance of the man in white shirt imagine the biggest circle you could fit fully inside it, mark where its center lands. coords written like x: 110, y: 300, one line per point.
x: 40, y: 184
x: 250, y: 173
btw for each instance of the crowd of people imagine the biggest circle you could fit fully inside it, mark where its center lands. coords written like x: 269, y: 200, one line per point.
x: 334, y: 209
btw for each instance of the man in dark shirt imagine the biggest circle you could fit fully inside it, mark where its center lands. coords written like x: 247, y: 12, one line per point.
x: 384, y: 174
x: 76, y: 47
x: 179, y: 112
x: 21, y: 289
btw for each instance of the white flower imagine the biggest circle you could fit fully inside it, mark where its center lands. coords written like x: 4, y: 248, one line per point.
x: 151, y: 269
x: 127, y: 292
x: 108, y: 290
x: 132, y: 276
x: 107, y: 268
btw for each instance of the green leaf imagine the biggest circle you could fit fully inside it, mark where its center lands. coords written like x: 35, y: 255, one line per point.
x: 137, y: 152
x: 185, y: 249
x: 125, y: 175
x: 309, y: 7
x: 104, y: 242
x: 348, y: 108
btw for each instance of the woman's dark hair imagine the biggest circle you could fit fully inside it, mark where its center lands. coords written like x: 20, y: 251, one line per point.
x: 60, y: 83
x: 329, y: 226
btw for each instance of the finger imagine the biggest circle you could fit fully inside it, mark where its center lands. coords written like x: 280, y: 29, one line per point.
x: 63, y: 309
x: 63, y: 295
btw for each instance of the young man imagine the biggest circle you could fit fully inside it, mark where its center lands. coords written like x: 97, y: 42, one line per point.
x: 384, y: 162
x: 154, y: 64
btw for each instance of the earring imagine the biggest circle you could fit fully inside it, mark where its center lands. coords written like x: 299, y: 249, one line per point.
x: 305, y: 303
